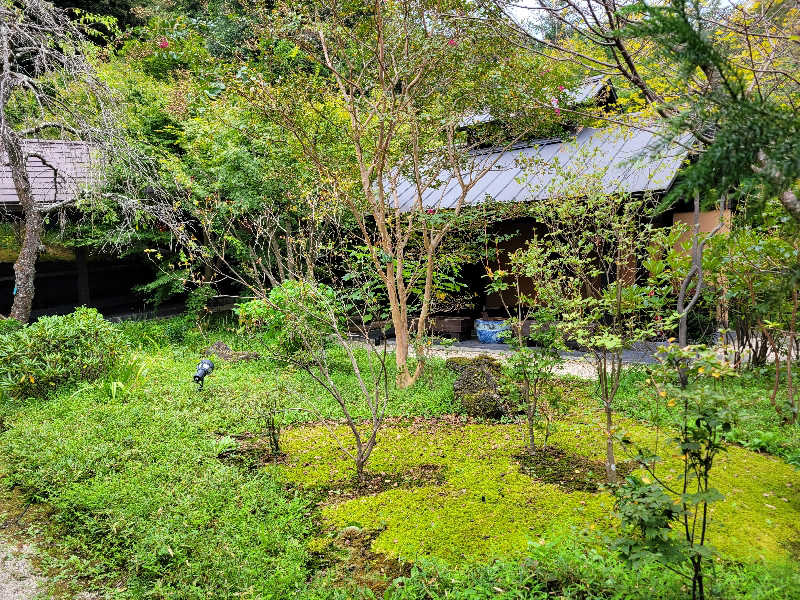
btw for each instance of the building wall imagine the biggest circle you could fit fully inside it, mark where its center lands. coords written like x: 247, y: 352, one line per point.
x: 708, y: 221
x: 525, y: 229
x: 521, y: 230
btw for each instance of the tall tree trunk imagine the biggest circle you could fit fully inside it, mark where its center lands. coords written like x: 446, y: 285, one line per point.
x: 402, y: 337
x: 25, y: 265
x: 530, y: 409
x: 791, y: 203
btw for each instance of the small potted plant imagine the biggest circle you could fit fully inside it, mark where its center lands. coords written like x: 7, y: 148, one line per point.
x: 491, y: 330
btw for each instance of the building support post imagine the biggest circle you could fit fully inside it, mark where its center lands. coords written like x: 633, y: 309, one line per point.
x: 82, y: 263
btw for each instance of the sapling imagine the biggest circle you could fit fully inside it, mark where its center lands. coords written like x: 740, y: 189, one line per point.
x: 665, y: 517
x: 531, y: 369
x: 304, y: 321
x: 608, y: 303
x: 270, y: 409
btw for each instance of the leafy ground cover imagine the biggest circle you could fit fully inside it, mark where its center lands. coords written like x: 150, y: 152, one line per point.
x: 151, y: 488
x: 488, y: 508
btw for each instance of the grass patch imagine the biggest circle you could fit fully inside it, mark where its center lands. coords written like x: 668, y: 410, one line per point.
x: 757, y: 426
x: 139, y: 496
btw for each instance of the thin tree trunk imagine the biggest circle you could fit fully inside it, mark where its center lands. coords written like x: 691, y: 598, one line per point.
x: 422, y: 322
x: 694, y: 269
x: 531, y: 410
x: 792, y: 335
x: 360, y: 470
x: 611, y: 464
x: 602, y: 372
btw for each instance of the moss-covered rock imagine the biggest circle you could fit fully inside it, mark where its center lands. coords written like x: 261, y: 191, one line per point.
x: 477, y: 387
x: 458, y: 363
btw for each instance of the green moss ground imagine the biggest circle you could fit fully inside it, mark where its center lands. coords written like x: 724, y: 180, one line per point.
x: 486, y: 508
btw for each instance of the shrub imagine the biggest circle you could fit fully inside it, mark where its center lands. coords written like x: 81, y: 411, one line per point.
x: 478, y: 387
x: 570, y: 570
x: 34, y: 360
x: 162, y: 331
x: 9, y: 326
x: 174, y: 329
x: 197, y: 303
x: 295, y: 315
x: 691, y: 388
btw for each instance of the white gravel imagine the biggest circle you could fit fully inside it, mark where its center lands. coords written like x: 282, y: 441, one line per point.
x: 577, y: 366
x: 18, y: 578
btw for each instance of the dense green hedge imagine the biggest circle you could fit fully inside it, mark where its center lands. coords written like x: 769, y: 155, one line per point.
x: 80, y: 346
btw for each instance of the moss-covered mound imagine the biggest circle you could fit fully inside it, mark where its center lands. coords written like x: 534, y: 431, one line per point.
x: 477, y: 387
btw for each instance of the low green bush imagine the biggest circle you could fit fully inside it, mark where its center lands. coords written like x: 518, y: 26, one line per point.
x: 80, y: 346
x: 570, y: 569
x: 155, y: 333
x: 573, y: 571
x: 296, y: 315
x: 9, y: 326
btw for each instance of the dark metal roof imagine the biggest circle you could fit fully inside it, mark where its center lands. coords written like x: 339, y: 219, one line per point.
x: 628, y: 160
x: 71, y: 161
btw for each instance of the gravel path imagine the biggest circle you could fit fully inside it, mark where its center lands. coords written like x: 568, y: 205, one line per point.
x: 18, y: 581
x: 575, y: 363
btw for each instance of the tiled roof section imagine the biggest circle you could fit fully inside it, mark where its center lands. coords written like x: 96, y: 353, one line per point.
x: 627, y: 160
x: 70, y: 159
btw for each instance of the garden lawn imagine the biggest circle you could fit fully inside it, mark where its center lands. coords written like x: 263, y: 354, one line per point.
x: 144, y: 504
